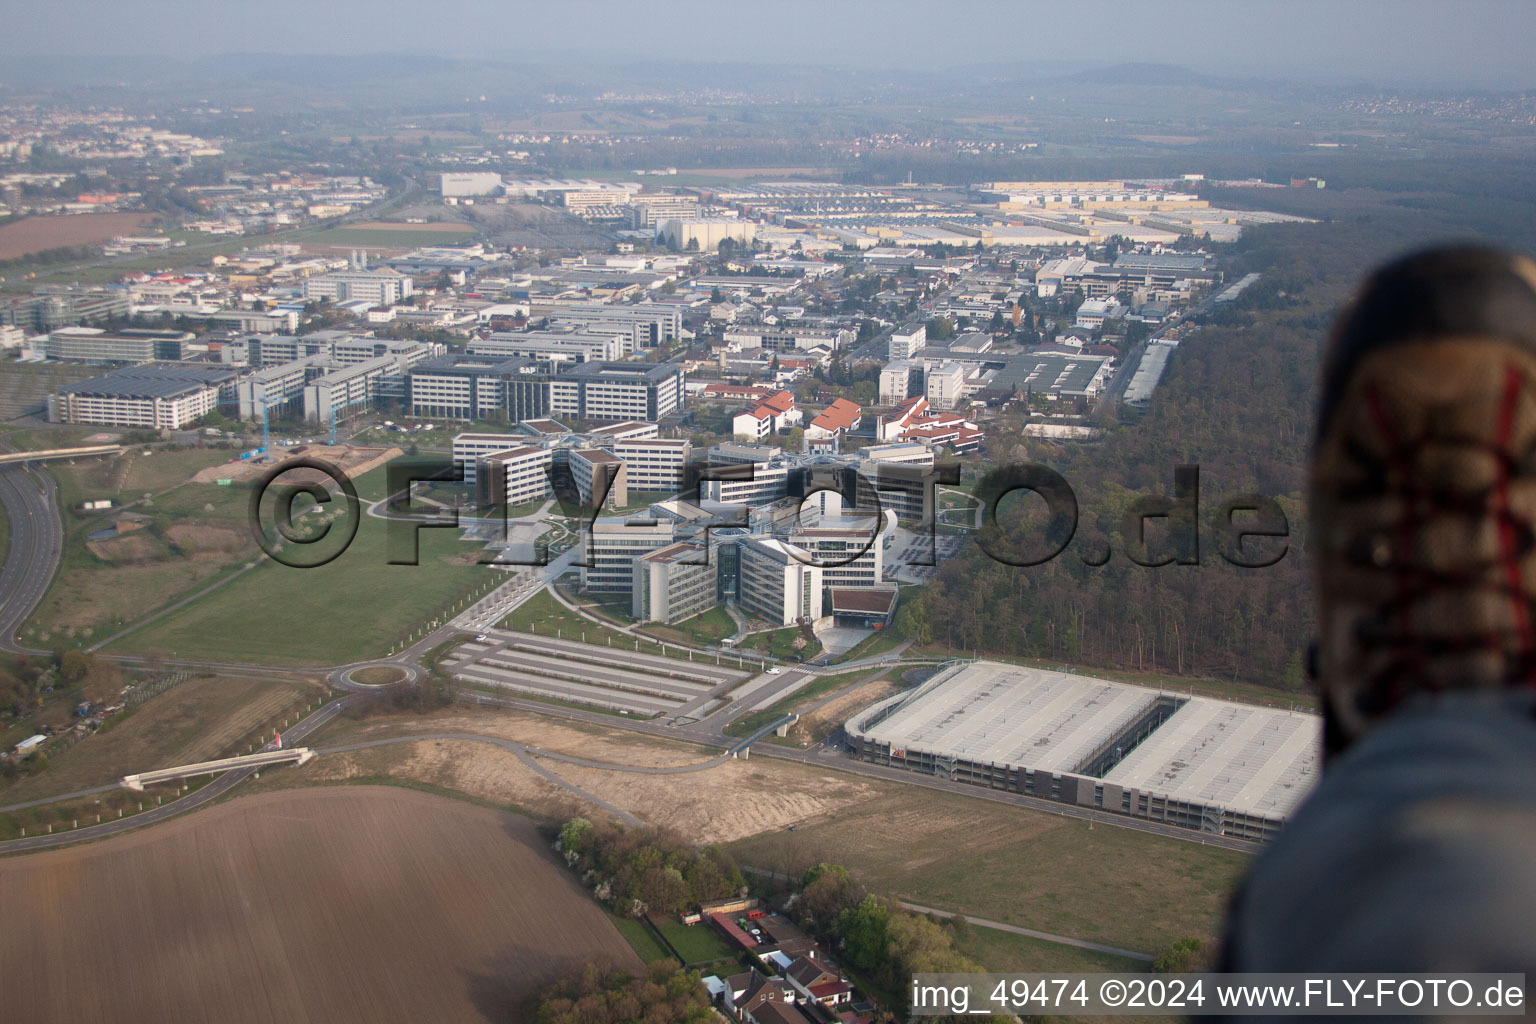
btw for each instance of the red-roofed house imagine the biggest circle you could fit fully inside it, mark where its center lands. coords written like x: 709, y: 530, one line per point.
x: 898, y: 419
x: 819, y: 982
x: 838, y: 418
x: 907, y: 423
x: 774, y: 411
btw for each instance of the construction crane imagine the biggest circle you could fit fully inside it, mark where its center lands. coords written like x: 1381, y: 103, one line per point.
x: 266, y: 427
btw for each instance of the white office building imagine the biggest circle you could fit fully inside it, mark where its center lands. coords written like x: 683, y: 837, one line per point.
x: 674, y: 583
x: 655, y: 464
x: 946, y: 385
x: 381, y: 287
x: 777, y: 581
x: 612, y: 545
x: 514, y: 477
x: 907, y: 340
x: 896, y: 381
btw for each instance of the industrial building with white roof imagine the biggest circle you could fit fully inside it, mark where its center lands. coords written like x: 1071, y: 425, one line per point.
x: 1217, y: 766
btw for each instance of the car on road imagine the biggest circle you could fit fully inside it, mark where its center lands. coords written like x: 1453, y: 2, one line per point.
x: 482, y: 638
x: 775, y: 670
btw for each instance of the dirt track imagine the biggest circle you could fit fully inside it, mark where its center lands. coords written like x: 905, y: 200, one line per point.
x: 341, y: 904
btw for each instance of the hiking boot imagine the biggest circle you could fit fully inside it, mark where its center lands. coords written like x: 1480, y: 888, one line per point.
x: 1423, y: 489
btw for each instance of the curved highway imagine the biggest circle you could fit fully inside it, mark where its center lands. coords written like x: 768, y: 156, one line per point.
x: 37, y: 541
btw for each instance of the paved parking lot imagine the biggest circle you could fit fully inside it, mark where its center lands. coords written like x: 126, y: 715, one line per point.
x: 606, y: 677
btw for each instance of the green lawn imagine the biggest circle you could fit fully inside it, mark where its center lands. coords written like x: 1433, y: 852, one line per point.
x: 705, y: 629
x: 350, y: 609
x: 780, y: 644
x: 698, y: 944
x: 640, y: 938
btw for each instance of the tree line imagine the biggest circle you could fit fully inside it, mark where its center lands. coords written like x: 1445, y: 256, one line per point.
x: 647, y: 870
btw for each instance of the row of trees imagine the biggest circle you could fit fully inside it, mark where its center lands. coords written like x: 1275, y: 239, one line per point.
x: 648, y: 870
x: 599, y: 993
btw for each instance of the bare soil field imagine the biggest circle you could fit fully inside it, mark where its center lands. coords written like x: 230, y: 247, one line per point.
x: 728, y: 802
x: 193, y: 538
x: 135, y: 547
x: 339, y: 904
x: 354, y: 462
x: 814, y: 725
x: 34, y: 234
x: 716, y: 805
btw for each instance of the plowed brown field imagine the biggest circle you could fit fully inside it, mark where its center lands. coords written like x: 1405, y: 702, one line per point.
x: 344, y: 904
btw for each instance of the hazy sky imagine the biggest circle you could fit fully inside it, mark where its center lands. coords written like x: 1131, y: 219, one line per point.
x: 1456, y: 42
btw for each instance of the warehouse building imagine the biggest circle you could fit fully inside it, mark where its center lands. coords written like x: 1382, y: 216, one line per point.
x: 1214, y: 766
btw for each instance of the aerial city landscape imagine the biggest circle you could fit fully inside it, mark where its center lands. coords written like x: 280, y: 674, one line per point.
x: 489, y: 538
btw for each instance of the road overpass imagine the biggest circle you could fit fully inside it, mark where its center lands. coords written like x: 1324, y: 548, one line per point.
x: 291, y: 755
x: 11, y: 458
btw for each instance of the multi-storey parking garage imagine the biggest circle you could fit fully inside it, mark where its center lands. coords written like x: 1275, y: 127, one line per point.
x: 1217, y: 766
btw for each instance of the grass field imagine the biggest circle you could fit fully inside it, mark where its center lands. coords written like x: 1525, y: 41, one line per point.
x: 341, y: 904
x: 1007, y: 953
x: 1106, y: 884
x: 541, y: 613
x: 780, y: 644
x: 377, y: 676
x: 705, y: 629
x: 350, y: 609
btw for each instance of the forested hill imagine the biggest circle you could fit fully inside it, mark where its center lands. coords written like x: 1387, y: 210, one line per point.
x: 1237, y: 400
